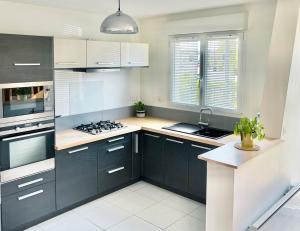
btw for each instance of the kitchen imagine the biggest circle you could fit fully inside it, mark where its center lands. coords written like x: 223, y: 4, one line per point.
x: 76, y: 156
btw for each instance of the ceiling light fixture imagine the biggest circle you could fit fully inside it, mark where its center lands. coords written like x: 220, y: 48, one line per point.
x: 119, y: 23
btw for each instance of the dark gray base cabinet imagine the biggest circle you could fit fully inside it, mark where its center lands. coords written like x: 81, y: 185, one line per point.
x: 76, y: 175
x: 173, y: 163
x: 153, y: 159
x: 27, y: 206
x: 176, y: 159
x: 114, y: 163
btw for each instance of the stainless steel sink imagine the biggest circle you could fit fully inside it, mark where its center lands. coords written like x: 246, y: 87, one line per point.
x: 208, y: 132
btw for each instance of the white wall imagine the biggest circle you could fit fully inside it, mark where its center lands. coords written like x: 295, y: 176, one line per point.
x: 279, y: 64
x: 291, y: 122
x: 34, y: 20
x: 155, y: 82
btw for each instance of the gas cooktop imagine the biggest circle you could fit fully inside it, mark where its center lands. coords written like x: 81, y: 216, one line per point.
x: 100, y: 127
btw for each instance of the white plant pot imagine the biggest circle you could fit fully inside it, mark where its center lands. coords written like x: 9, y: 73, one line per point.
x: 140, y: 114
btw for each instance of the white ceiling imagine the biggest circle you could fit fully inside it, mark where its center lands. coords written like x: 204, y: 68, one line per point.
x: 136, y: 8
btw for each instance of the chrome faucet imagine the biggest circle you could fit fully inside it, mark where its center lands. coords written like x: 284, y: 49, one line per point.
x: 208, y: 120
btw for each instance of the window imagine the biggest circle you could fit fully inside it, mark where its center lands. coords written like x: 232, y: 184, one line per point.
x: 206, y: 70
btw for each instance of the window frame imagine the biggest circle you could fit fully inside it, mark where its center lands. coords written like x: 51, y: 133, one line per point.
x: 203, y: 49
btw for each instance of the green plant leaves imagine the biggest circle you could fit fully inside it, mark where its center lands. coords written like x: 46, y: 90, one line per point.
x: 253, y: 127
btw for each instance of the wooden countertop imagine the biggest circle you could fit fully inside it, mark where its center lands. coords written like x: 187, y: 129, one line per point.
x: 72, y: 138
x: 27, y: 170
x: 226, y: 154
x: 230, y: 156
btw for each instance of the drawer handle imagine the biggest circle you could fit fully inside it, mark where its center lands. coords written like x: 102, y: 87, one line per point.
x: 30, y: 195
x: 115, y: 170
x: 202, y: 147
x: 116, y: 148
x: 78, y: 150
x: 27, y: 64
x: 175, y: 141
x: 154, y: 136
x: 116, y: 139
x: 104, y: 63
x: 30, y: 183
x: 67, y: 63
x: 136, y: 143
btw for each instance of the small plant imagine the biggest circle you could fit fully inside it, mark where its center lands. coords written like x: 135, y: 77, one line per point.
x: 253, y: 127
x: 249, y: 130
x: 139, y: 106
x: 140, y: 109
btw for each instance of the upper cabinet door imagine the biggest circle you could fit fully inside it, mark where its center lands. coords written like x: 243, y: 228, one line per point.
x: 135, y: 55
x: 20, y: 51
x: 69, y: 53
x: 103, y: 54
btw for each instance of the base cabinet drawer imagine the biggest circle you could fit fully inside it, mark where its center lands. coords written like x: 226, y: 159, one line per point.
x: 114, y: 176
x: 27, y: 182
x: 114, y: 154
x: 27, y: 206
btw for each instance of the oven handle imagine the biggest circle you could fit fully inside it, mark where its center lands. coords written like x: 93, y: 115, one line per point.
x: 27, y: 135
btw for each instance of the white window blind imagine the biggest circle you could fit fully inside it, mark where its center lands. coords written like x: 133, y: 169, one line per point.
x: 206, y: 69
x: 185, y: 71
x: 222, y: 64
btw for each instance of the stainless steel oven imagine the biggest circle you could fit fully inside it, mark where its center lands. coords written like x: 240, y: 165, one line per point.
x: 26, y: 148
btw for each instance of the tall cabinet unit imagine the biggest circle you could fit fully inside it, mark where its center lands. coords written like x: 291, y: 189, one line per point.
x: 103, y: 54
x: 134, y: 55
x: 69, y: 53
x: 25, y: 58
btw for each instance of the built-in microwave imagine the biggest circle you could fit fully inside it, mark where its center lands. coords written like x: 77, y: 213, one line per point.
x: 23, y: 101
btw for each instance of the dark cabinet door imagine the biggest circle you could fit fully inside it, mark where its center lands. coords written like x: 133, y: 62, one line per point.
x: 153, y: 164
x: 197, y: 171
x: 137, y: 155
x: 76, y: 175
x: 25, y: 58
x: 21, y: 208
x: 176, y: 158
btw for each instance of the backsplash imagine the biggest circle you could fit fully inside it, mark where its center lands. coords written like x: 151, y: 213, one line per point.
x: 75, y: 120
x: 216, y: 121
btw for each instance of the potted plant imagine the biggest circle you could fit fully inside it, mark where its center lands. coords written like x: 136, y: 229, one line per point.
x: 140, y: 109
x: 249, y: 130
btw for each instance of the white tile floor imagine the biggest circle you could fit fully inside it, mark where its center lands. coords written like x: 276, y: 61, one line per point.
x: 139, y: 207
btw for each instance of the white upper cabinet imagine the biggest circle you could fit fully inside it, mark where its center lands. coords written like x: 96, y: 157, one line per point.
x: 69, y: 53
x: 103, y: 54
x: 134, y: 55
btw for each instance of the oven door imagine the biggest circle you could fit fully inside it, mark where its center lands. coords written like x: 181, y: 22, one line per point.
x: 32, y: 100
x: 28, y: 148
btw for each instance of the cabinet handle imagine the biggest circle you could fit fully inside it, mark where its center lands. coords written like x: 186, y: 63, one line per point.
x: 202, y: 147
x: 78, y: 150
x: 30, y: 195
x: 30, y: 183
x: 136, y: 143
x: 104, y: 63
x: 116, y: 139
x: 67, y: 63
x: 154, y: 136
x: 115, y: 170
x: 27, y: 64
x: 116, y: 148
x: 175, y: 141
